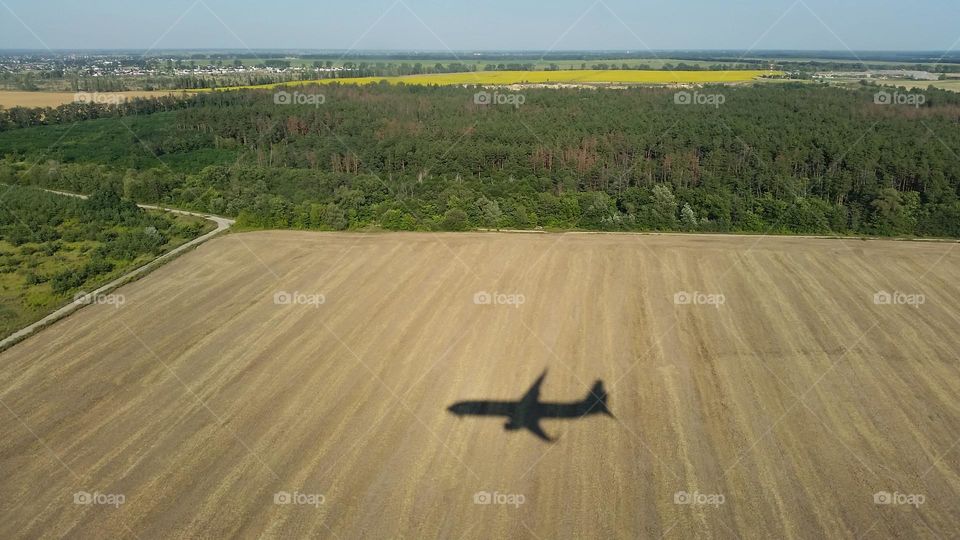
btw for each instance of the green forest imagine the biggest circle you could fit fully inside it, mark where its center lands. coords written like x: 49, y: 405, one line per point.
x: 772, y: 158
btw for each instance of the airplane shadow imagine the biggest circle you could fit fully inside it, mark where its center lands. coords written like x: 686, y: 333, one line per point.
x: 527, y: 412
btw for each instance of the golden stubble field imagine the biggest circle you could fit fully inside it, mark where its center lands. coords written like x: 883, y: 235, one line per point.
x: 201, y: 408
x: 10, y: 98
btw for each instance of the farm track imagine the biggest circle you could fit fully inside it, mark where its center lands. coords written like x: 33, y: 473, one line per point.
x: 200, y: 398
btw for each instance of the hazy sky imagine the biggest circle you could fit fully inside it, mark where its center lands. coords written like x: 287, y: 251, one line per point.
x: 482, y: 25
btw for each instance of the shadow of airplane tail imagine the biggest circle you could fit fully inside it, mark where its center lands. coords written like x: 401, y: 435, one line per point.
x: 596, y: 400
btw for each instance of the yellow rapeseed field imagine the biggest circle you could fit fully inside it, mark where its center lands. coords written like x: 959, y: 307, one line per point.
x: 588, y: 76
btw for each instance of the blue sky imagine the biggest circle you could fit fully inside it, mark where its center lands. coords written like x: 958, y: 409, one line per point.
x: 483, y: 25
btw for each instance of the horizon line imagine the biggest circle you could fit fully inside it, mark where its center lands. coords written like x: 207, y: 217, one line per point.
x: 470, y: 51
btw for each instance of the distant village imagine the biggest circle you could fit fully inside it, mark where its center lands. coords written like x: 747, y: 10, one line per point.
x: 99, y: 66
x: 882, y: 74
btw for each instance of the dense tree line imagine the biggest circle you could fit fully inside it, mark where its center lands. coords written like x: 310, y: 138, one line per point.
x: 826, y: 65
x: 24, y: 117
x: 778, y: 158
x: 34, y: 216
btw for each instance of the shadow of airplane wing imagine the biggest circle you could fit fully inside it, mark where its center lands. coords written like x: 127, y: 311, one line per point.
x: 534, y: 427
x: 532, y: 397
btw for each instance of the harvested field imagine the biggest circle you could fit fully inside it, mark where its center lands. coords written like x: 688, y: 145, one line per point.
x: 55, y: 99
x: 952, y: 85
x: 783, y: 406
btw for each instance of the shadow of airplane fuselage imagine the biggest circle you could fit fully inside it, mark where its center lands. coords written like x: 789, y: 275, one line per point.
x: 529, y: 410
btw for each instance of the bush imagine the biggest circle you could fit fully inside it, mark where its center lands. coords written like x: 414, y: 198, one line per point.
x: 454, y: 219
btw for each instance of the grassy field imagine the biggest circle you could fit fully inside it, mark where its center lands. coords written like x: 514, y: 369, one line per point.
x: 781, y: 411
x: 952, y: 85
x: 585, y: 77
x: 24, y: 301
